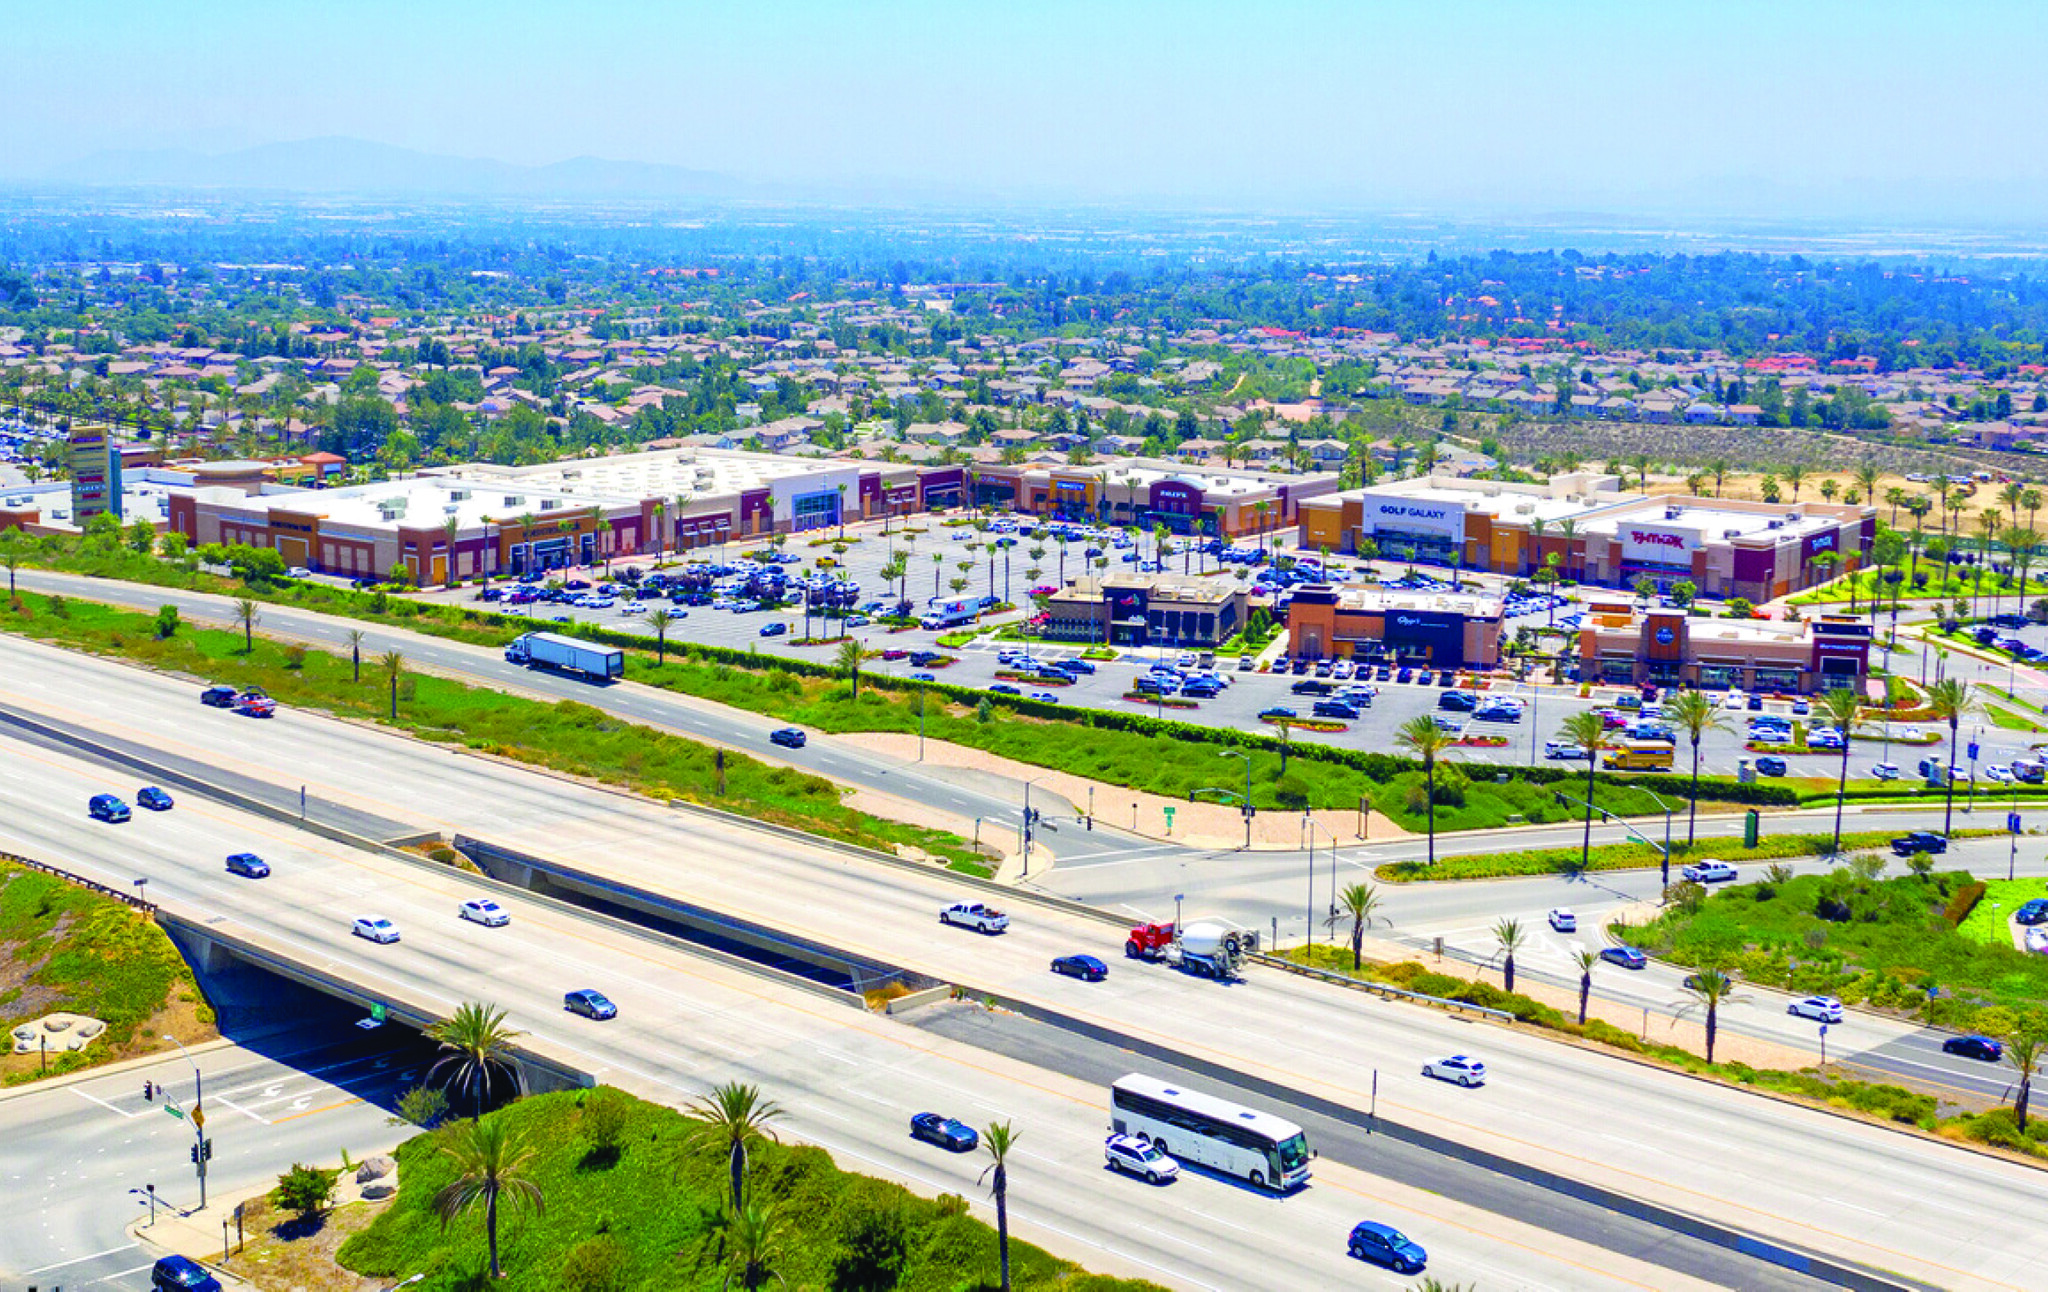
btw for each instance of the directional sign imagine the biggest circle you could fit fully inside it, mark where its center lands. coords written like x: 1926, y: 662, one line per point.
x: 2012, y: 822
x: 377, y: 1010
x: 199, y: 1118
x: 175, y: 1111
x: 1973, y: 751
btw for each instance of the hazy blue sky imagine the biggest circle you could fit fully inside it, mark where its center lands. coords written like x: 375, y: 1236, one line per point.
x: 1455, y: 102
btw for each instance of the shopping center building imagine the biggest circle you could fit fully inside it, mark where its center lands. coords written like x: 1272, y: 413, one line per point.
x: 1146, y: 610
x: 1595, y: 533
x: 1226, y: 501
x: 1624, y: 644
x: 1438, y: 629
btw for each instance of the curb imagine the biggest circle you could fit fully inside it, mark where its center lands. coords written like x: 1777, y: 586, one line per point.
x: 110, y: 1069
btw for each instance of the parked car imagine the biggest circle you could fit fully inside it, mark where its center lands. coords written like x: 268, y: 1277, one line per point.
x: 1821, y: 1009
x: 1134, y: 1156
x: 376, y: 928
x: 590, y: 1004
x: 1975, y: 1047
x: 106, y: 807
x: 484, y: 911
x: 777, y: 629
x: 1277, y: 711
x: 248, y: 865
x: 2032, y: 911
x: 1564, y: 921
x: 1626, y: 957
x: 1565, y: 749
x: 1885, y: 771
x: 788, y: 737
x: 219, y: 697
x: 1770, y: 765
x: 154, y: 799
x: 1086, y: 968
x: 1456, y: 1068
x: 946, y: 1132
x: 975, y: 915
x: 1386, y: 1245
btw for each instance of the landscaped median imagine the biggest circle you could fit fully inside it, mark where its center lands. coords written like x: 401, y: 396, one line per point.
x: 632, y: 1194
x: 1632, y: 856
x: 565, y: 735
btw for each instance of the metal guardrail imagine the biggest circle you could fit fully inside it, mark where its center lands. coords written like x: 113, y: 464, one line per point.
x: 1380, y: 988
x: 30, y: 863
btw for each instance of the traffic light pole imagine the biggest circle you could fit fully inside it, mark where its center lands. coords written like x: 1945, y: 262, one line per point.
x: 199, y: 1144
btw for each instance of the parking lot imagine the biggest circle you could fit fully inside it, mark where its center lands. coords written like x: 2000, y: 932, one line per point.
x: 1242, y: 697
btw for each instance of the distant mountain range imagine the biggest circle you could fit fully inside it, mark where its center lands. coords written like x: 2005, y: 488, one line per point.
x: 338, y: 164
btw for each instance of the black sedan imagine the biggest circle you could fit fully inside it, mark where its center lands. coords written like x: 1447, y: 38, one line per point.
x: 788, y: 738
x: 154, y: 799
x: 945, y: 1132
x: 1974, y: 1047
x: 1086, y: 968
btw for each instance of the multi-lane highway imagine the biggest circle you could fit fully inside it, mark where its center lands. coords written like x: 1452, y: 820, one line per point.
x: 850, y: 1080
x: 1803, y: 1178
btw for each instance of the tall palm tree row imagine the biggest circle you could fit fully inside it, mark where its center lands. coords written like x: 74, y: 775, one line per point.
x: 490, y: 1162
x: 1422, y: 737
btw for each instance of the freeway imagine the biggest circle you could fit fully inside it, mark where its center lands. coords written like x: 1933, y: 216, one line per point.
x: 1801, y: 1177
x: 849, y: 1079
x: 79, y: 1154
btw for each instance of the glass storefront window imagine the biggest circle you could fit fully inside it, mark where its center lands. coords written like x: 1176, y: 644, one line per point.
x: 1777, y: 679
x: 1720, y: 676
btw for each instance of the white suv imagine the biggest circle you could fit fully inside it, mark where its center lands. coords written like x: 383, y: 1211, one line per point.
x: 1821, y: 1009
x: 1133, y: 1156
x: 975, y: 915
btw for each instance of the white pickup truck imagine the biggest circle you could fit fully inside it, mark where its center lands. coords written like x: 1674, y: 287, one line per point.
x: 975, y: 915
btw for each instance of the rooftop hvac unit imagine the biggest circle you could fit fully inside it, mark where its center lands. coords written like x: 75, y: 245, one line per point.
x: 514, y: 500
x: 458, y: 495
x: 1672, y: 513
x: 1776, y: 524
x: 1731, y: 533
x: 549, y: 504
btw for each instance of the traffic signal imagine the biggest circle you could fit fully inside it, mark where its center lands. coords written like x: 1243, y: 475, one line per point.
x: 148, y: 1093
x: 200, y: 1152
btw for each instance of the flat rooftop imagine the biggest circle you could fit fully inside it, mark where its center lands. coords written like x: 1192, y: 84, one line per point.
x: 662, y: 473
x: 1716, y: 523
x: 427, y: 502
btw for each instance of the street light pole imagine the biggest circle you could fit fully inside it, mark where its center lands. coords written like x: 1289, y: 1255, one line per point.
x: 1246, y: 806
x: 198, y: 1115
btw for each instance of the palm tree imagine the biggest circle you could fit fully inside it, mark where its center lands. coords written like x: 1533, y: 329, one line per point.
x: 1509, y: 936
x: 1422, y: 737
x: 355, y: 651
x: 1866, y: 477
x: 1718, y: 469
x: 2025, y: 545
x: 1588, y: 731
x: 753, y: 1239
x: 1706, y: 990
x: 2009, y: 497
x: 1795, y: 475
x: 10, y: 556
x: 1948, y: 700
x: 449, y: 529
x: 999, y: 1139
x: 1896, y: 498
x: 489, y: 1162
x: 734, y: 1116
x: 1843, y: 710
x: 393, y: 663
x: 1585, y: 959
x: 1361, y: 902
x: 659, y: 620
x: 474, y: 1042
x: 2023, y: 1050
x: 1695, y: 713
x: 848, y: 660
x: 247, y: 615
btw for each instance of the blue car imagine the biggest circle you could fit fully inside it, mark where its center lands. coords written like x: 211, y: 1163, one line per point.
x: 154, y: 799
x: 248, y: 865
x: 105, y: 807
x: 946, y: 1132
x: 788, y: 738
x: 1388, y: 1246
x: 1086, y: 968
x: 590, y: 1004
x: 1626, y: 957
x: 2033, y: 911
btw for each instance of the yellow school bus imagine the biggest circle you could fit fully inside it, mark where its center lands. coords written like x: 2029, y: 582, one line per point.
x: 1638, y: 756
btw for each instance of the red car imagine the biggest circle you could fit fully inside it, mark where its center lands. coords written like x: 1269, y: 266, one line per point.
x: 1611, y: 720
x: 895, y: 652
x: 255, y: 704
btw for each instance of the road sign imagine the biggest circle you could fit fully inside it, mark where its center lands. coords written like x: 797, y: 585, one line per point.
x: 175, y: 1111
x: 199, y: 1117
x: 2012, y: 822
x: 377, y: 1012
x: 1823, y: 1029
x: 1973, y: 751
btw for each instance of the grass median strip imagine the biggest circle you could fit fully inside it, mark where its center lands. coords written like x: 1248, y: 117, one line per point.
x: 1633, y: 856
x: 564, y: 736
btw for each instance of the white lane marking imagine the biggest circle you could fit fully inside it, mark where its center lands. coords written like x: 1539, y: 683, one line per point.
x: 109, y: 1107
x: 76, y: 1259
x: 1852, y: 1206
x: 244, y: 1111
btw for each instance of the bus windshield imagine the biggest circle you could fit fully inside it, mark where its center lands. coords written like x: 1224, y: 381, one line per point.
x: 1293, y: 1152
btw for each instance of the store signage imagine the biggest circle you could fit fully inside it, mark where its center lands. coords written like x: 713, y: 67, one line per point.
x: 1665, y: 636
x: 1651, y: 539
x: 1430, y: 518
x: 1667, y: 546
x: 1818, y: 543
